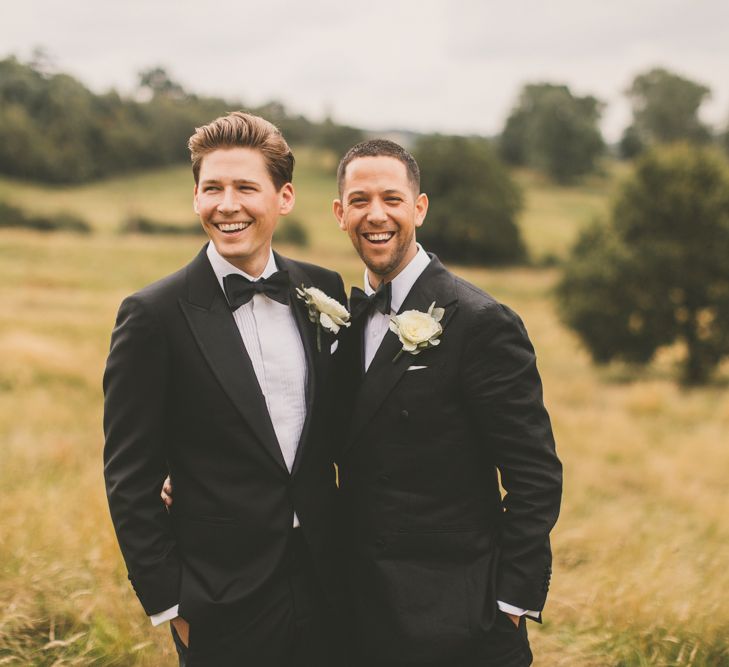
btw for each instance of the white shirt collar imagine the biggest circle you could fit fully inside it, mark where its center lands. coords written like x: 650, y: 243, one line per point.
x: 403, y: 282
x: 223, y: 267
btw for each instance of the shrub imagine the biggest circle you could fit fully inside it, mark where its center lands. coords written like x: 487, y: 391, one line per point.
x: 657, y: 273
x: 138, y: 224
x: 12, y: 216
x: 291, y: 231
x: 473, y: 202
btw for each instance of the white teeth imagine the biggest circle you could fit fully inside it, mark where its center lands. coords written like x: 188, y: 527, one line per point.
x: 233, y: 226
x: 383, y: 236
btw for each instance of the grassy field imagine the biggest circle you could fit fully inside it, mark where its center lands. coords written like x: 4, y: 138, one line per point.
x: 641, y: 549
x: 549, y: 221
x: 165, y: 195
x: 552, y: 216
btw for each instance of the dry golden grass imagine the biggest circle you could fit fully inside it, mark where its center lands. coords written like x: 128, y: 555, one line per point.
x: 642, y: 546
x: 640, y: 550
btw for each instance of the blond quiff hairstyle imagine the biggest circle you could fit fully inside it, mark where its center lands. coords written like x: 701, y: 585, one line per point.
x: 239, y: 129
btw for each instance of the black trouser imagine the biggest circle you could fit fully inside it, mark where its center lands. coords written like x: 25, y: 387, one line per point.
x: 504, y: 645
x: 293, y: 626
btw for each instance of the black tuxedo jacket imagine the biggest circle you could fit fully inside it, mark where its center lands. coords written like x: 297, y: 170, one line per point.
x: 432, y: 545
x: 181, y: 396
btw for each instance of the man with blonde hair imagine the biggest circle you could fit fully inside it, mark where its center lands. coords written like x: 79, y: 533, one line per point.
x: 218, y: 375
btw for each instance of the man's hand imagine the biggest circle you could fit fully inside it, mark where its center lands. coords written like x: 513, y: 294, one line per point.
x: 166, y: 493
x: 182, y: 628
x: 514, y: 618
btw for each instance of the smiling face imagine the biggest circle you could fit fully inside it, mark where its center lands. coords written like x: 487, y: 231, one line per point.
x: 239, y: 205
x: 380, y: 211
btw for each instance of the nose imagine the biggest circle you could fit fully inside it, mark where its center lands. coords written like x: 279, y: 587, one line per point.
x: 229, y: 203
x: 376, y: 213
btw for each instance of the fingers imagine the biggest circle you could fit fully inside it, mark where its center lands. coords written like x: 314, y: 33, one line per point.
x: 166, y: 493
x: 183, y: 629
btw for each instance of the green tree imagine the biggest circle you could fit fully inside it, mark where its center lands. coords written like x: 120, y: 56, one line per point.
x: 665, y: 109
x: 47, y: 125
x: 54, y: 129
x: 337, y: 138
x: 657, y: 273
x: 473, y: 202
x: 158, y: 83
x: 513, y: 140
x: 553, y: 130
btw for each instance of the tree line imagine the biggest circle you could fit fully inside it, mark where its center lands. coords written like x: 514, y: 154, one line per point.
x: 557, y: 132
x: 54, y: 129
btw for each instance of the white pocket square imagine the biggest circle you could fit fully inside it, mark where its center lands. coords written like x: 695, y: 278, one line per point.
x: 334, y: 347
x: 416, y: 368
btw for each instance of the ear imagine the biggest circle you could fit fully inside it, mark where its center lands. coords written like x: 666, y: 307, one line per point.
x: 338, y: 209
x: 195, y: 206
x: 421, y: 208
x: 287, y: 197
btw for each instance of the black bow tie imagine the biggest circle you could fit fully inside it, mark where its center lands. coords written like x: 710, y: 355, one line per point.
x: 240, y: 290
x: 380, y: 300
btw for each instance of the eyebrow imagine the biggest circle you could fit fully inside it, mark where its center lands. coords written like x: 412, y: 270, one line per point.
x: 389, y: 191
x: 237, y: 181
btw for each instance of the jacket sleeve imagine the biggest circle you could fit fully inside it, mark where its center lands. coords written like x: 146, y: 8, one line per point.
x: 503, y: 392
x: 135, y: 402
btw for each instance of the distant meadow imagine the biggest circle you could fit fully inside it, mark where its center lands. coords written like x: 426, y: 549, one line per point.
x: 641, y: 548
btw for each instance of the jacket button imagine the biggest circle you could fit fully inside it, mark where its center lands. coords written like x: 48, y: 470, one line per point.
x: 404, y: 414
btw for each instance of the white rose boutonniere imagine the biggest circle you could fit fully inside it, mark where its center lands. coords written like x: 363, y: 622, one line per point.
x: 325, y: 312
x: 416, y: 330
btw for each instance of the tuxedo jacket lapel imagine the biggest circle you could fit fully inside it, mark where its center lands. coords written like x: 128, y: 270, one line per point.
x: 307, y: 331
x: 212, y: 324
x: 435, y: 284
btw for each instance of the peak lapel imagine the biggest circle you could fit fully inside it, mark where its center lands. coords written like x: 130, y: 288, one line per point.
x: 434, y: 284
x: 307, y: 331
x: 212, y: 324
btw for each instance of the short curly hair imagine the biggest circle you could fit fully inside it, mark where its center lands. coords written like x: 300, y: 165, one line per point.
x: 377, y: 148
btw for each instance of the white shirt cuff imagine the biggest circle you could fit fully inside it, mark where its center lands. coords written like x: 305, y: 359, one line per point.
x: 168, y: 615
x: 516, y: 611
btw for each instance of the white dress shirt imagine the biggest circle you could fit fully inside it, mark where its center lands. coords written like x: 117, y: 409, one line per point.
x: 274, y: 345
x: 378, y: 325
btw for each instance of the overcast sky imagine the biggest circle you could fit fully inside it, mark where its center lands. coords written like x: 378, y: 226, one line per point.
x: 426, y: 65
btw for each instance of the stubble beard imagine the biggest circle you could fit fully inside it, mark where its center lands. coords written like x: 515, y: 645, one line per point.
x: 395, y: 260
